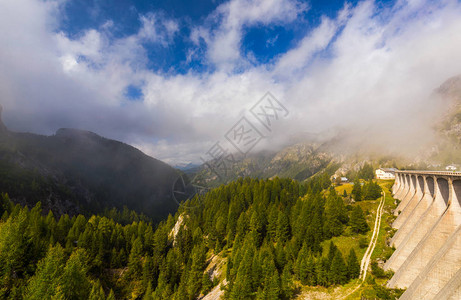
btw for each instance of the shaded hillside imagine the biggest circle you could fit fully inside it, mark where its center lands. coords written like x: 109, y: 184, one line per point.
x: 299, y: 162
x: 77, y: 171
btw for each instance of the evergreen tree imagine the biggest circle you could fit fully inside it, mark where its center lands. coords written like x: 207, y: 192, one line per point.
x: 322, y: 271
x: 338, y: 269
x: 242, y: 287
x: 207, y: 284
x: 5, y: 204
x: 283, y: 227
x: 196, y: 270
x: 335, y: 215
x: 286, y: 282
x: 273, y: 237
x: 272, y: 223
x: 353, y: 266
x: 97, y: 293
x: 111, y: 295
x: 371, y: 190
x: 135, y: 259
x: 366, y: 172
x: 272, y: 287
x: 74, y: 281
x: 44, y: 283
x: 148, y: 293
x: 15, y: 248
x: 358, y: 221
x: 59, y: 295
x: 357, y: 191
x: 333, y: 250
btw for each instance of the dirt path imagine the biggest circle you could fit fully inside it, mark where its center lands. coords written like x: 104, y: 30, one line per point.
x: 374, y: 238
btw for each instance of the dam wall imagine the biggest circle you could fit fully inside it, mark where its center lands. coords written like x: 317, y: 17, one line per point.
x: 427, y: 259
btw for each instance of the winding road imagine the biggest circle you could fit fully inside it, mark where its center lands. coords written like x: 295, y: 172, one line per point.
x: 371, y: 247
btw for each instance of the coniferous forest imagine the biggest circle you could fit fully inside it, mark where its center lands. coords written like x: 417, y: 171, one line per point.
x: 268, y: 233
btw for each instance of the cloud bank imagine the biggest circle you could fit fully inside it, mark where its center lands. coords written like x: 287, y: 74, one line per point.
x: 370, y: 67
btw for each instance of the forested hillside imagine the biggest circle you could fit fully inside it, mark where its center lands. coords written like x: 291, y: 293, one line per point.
x: 267, y: 233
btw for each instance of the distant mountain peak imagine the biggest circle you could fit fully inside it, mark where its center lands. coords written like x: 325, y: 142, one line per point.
x: 451, y: 88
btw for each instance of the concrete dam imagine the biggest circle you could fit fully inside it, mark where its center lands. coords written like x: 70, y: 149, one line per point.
x: 427, y: 259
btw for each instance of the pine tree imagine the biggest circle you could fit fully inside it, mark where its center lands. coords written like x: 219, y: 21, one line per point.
x: 366, y: 172
x: 242, y: 287
x: 74, y: 282
x: 283, y: 227
x: 59, y: 295
x: 272, y: 223
x: 207, y: 284
x: 5, y: 204
x: 182, y: 289
x: 353, y: 266
x: 272, y: 287
x: 97, y: 293
x: 16, y: 249
x: 332, y: 252
x: 256, y: 227
x: 371, y: 190
x: 135, y: 259
x: 111, y: 295
x: 196, y: 270
x: 148, y: 293
x: 147, y: 272
x: 335, y: 215
x: 357, y: 220
x: 338, y: 269
x: 357, y: 191
x: 321, y: 270
x: 286, y: 282
x: 44, y: 283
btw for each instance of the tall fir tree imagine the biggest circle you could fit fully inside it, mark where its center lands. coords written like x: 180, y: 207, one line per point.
x: 338, y: 269
x: 44, y: 283
x: 353, y: 266
x: 335, y: 215
x: 358, y: 221
x: 74, y: 281
x: 357, y: 191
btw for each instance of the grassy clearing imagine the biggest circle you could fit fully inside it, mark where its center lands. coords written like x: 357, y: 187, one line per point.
x: 372, y: 288
x: 346, y: 186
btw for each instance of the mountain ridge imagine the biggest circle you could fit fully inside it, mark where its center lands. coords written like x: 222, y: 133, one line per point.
x: 81, y: 171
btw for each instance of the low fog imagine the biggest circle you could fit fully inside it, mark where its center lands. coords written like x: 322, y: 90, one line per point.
x: 369, y: 73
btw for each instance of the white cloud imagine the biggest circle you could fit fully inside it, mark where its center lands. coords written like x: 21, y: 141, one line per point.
x: 299, y: 57
x: 366, y: 67
x: 157, y: 29
x: 224, y: 42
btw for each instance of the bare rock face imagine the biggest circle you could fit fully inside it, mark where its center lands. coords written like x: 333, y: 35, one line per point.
x: 451, y: 88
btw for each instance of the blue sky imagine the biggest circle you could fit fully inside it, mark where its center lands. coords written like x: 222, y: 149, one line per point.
x: 171, y: 77
x: 263, y: 42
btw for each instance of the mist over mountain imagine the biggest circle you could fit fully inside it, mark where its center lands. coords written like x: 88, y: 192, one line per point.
x: 77, y: 171
x: 172, y: 87
x: 433, y: 144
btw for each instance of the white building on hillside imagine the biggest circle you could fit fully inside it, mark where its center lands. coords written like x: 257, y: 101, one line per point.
x: 385, y: 173
x: 450, y: 168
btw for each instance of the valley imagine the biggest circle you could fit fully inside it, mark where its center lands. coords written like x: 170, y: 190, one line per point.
x: 230, y: 150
